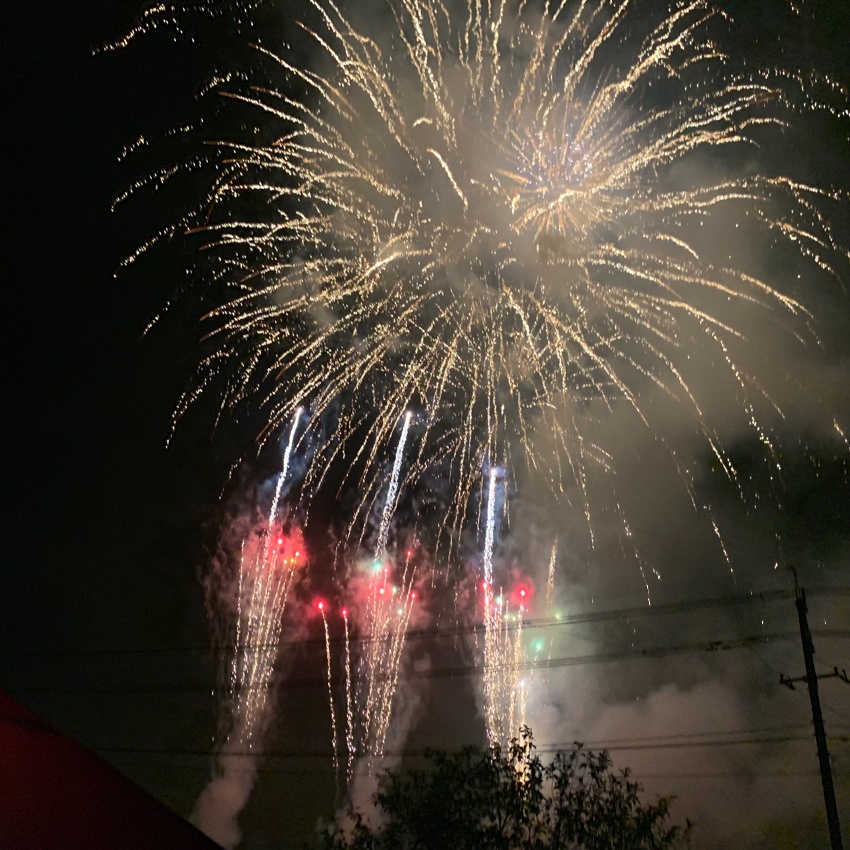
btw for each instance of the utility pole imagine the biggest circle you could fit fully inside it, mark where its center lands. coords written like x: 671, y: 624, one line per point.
x: 811, y: 679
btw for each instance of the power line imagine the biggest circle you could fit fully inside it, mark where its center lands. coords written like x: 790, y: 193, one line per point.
x: 455, y: 671
x: 629, y: 613
x: 783, y: 727
x: 811, y: 774
x: 305, y: 770
x: 414, y: 752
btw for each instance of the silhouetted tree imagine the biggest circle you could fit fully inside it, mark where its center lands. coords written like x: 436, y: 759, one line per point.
x: 477, y: 799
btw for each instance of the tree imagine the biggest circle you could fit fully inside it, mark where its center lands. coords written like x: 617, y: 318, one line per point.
x: 479, y: 799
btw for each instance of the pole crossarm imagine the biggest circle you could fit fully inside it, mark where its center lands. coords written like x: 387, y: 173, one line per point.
x: 835, y: 674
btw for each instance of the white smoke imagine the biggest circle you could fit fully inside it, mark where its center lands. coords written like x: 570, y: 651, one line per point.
x: 220, y: 803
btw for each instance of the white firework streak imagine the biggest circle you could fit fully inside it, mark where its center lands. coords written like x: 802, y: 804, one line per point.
x: 286, y: 457
x: 550, y: 580
x: 489, y: 528
x: 392, y: 491
x: 502, y: 646
x: 492, y: 631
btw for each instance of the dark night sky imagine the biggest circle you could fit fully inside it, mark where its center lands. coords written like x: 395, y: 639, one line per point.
x: 104, y: 526
x: 105, y: 529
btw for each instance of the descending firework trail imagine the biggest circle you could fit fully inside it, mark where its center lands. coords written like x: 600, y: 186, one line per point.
x: 349, y: 705
x: 385, y: 617
x: 287, y: 455
x: 550, y: 580
x: 493, y: 669
x: 388, y: 611
x: 265, y: 577
x: 264, y: 583
x: 392, y: 492
x: 504, y: 216
x: 266, y: 574
x: 389, y: 607
x: 387, y: 614
x: 330, y: 686
x: 504, y: 690
x: 489, y: 529
x: 267, y: 571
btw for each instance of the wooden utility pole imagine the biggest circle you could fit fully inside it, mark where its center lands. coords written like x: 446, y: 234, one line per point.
x: 811, y: 679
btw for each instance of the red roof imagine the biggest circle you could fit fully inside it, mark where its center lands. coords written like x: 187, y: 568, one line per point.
x: 57, y: 795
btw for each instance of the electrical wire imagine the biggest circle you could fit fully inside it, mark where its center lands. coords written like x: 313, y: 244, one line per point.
x: 414, y: 752
x: 643, y: 611
x: 455, y: 671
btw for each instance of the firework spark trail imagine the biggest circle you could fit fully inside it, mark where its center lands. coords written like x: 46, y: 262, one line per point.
x: 392, y: 491
x: 489, y: 527
x: 380, y: 568
x: 265, y: 575
x: 517, y: 694
x: 286, y: 458
x: 492, y: 223
x: 266, y: 572
x: 330, y: 687
x: 504, y: 692
x: 550, y: 580
x: 349, y: 706
x: 402, y: 609
x: 264, y: 583
x: 493, y: 655
x: 387, y: 614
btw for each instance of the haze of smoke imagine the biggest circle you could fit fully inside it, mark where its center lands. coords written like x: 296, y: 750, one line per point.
x: 218, y: 807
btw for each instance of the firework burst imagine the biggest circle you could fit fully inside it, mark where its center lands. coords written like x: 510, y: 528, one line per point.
x: 490, y: 217
x: 501, y: 225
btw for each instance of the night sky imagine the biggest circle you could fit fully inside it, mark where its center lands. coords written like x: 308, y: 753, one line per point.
x: 102, y: 623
